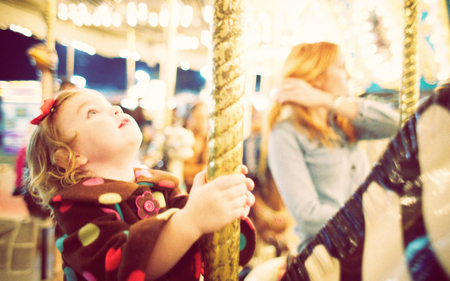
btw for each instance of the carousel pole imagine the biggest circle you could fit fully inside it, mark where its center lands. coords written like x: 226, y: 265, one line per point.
x: 168, y: 74
x: 70, y: 61
x: 410, y: 86
x: 130, y: 62
x: 47, y: 74
x: 170, y: 69
x: 221, y: 248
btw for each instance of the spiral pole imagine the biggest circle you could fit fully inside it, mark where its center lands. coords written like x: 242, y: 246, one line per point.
x: 221, y: 249
x: 410, y: 88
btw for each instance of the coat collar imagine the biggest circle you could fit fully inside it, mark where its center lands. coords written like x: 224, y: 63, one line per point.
x: 107, y: 191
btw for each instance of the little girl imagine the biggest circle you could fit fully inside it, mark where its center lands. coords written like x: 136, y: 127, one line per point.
x: 116, y: 222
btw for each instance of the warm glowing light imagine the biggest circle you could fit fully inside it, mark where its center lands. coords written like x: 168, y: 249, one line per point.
x: 153, y: 19
x: 142, y: 7
x: 185, y: 65
x: 208, y: 13
x: 135, y: 56
x: 20, y: 29
x: 142, y: 76
x: 176, y: 14
x: 124, y: 54
x: 164, y: 18
x: 206, y: 38
x: 131, y: 6
x: 72, y: 7
x: 130, y: 104
x: 116, y: 19
x: 62, y: 7
x: 82, y: 7
x: 206, y: 72
x: 132, y: 18
x: 62, y: 15
x: 79, y: 81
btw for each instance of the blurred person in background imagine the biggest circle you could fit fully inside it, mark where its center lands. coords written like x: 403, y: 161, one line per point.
x: 314, y: 129
x: 197, y: 122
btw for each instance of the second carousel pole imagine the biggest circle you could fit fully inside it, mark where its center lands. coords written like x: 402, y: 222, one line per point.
x: 221, y: 248
x: 47, y: 74
x: 410, y: 86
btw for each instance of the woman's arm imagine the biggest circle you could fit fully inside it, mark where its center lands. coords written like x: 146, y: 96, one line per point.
x: 375, y: 120
x: 372, y: 120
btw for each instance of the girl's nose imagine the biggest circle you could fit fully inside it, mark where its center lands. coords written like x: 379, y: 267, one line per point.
x: 117, y: 110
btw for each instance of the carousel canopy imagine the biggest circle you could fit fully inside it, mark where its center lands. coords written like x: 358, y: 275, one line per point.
x: 371, y: 34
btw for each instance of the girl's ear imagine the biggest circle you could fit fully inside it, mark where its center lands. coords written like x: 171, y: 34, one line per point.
x: 62, y: 159
x: 80, y: 160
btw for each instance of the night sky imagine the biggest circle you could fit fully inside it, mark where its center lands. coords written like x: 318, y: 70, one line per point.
x: 103, y: 74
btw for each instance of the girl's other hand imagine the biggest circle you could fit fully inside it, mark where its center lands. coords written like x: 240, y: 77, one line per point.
x: 219, y: 202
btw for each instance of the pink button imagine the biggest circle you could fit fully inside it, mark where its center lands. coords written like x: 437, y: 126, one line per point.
x: 149, y: 206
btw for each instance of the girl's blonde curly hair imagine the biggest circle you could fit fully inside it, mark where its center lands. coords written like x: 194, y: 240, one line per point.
x: 45, y: 176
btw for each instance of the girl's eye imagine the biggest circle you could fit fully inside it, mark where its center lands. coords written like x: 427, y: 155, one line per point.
x: 91, y: 113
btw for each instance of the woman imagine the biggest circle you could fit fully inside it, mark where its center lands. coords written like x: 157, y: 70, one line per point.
x: 314, y: 128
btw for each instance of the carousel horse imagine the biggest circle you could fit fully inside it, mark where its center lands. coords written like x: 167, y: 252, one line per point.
x: 178, y: 148
x: 43, y: 58
x: 396, y: 226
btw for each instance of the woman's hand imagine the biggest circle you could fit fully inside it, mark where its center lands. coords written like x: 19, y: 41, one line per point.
x: 219, y: 202
x: 298, y: 91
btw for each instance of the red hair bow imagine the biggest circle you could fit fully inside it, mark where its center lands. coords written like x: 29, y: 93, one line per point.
x: 46, y: 108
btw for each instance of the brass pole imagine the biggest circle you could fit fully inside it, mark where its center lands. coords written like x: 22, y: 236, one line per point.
x: 130, y: 62
x: 47, y: 74
x: 221, y: 248
x: 410, y: 88
x: 168, y: 74
x: 70, y: 61
x: 169, y: 70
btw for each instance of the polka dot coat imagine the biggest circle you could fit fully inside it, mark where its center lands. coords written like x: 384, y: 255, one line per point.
x: 106, y: 229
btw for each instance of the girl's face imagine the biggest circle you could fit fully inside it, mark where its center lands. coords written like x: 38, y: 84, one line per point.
x: 335, y: 78
x: 104, y: 131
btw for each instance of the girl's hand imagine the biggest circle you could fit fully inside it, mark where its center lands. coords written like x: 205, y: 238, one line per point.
x: 298, y: 91
x: 219, y: 202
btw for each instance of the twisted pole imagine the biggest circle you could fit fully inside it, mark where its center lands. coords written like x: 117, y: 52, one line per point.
x: 410, y: 88
x: 221, y: 248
